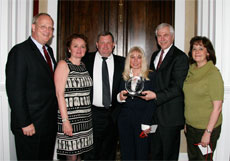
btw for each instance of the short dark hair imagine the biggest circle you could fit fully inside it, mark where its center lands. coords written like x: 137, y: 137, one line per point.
x: 70, y: 39
x: 202, y: 40
x: 105, y: 33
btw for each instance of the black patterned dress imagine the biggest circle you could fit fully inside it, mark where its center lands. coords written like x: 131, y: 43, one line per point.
x: 77, y: 97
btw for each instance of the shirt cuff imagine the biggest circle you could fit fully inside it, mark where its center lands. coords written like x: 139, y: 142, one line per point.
x: 118, y: 98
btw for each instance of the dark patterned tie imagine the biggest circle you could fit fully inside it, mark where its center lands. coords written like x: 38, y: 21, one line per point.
x: 105, y: 84
x: 160, y: 60
x: 48, y: 60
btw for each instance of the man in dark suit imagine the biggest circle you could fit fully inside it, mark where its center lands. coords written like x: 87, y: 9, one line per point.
x: 104, y: 116
x: 171, y: 66
x: 31, y: 92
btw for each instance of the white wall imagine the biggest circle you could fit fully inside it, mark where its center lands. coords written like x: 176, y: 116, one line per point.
x: 180, y: 24
x: 15, y: 18
x: 214, y: 22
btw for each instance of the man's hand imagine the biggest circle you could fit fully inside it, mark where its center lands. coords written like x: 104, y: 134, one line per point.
x: 123, y: 95
x: 148, y: 95
x: 29, y: 130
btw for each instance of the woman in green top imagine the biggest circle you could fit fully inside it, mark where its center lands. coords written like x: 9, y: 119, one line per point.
x: 204, y: 92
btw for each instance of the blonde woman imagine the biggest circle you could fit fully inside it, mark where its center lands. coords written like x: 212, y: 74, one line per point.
x: 135, y: 111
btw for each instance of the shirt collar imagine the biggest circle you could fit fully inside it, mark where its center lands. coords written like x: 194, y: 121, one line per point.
x: 166, y: 50
x: 39, y: 46
x: 99, y: 55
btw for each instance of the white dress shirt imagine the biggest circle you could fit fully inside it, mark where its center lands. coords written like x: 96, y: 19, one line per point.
x: 158, y: 56
x: 97, y: 78
x: 39, y: 46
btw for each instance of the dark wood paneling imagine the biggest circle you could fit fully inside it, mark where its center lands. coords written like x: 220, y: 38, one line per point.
x: 131, y: 22
x: 35, y: 7
x: 86, y: 17
x: 142, y: 19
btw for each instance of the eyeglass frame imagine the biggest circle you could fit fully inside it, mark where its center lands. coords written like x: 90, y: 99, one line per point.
x: 43, y: 28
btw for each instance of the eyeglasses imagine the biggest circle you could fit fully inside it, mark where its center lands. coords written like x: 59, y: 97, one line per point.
x: 43, y: 28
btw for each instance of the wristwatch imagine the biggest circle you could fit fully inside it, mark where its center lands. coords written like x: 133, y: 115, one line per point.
x: 65, y: 119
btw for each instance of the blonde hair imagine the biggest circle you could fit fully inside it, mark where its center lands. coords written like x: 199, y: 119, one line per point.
x: 144, y: 67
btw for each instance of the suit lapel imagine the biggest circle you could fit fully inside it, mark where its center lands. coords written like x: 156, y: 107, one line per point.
x: 91, y: 64
x: 39, y: 57
x: 167, y: 58
x: 153, y: 59
x: 117, y: 74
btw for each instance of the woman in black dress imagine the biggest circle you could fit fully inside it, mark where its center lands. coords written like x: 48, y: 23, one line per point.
x: 136, y: 111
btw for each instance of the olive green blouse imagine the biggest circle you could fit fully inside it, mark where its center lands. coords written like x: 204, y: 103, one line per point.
x: 202, y: 86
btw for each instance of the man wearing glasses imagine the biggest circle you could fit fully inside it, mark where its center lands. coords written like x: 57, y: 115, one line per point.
x: 31, y: 92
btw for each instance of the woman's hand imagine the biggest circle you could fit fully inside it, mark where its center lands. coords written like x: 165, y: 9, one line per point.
x: 147, y: 131
x: 123, y: 95
x: 148, y: 95
x: 217, y: 108
x: 67, y: 128
x: 205, y: 139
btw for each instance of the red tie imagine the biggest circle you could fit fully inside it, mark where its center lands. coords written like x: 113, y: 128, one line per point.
x: 160, y: 60
x: 47, y: 58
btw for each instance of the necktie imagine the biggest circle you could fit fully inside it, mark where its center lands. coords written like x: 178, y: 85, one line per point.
x: 48, y: 59
x: 160, y: 60
x: 105, y: 84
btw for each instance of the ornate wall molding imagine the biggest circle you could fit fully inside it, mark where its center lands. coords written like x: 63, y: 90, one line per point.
x: 214, y: 23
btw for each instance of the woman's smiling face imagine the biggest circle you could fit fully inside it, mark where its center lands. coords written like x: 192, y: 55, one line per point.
x: 135, y: 60
x: 199, y: 53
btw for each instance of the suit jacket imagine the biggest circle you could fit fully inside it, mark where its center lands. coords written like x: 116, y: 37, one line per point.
x: 169, y: 83
x: 30, y: 89
x: 117, y: 77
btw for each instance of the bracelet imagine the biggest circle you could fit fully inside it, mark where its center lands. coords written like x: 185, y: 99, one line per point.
x: 65, y: 119
x: 208, y: 131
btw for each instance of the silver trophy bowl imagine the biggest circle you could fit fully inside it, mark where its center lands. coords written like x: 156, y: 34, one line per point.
x: 134, y: 86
